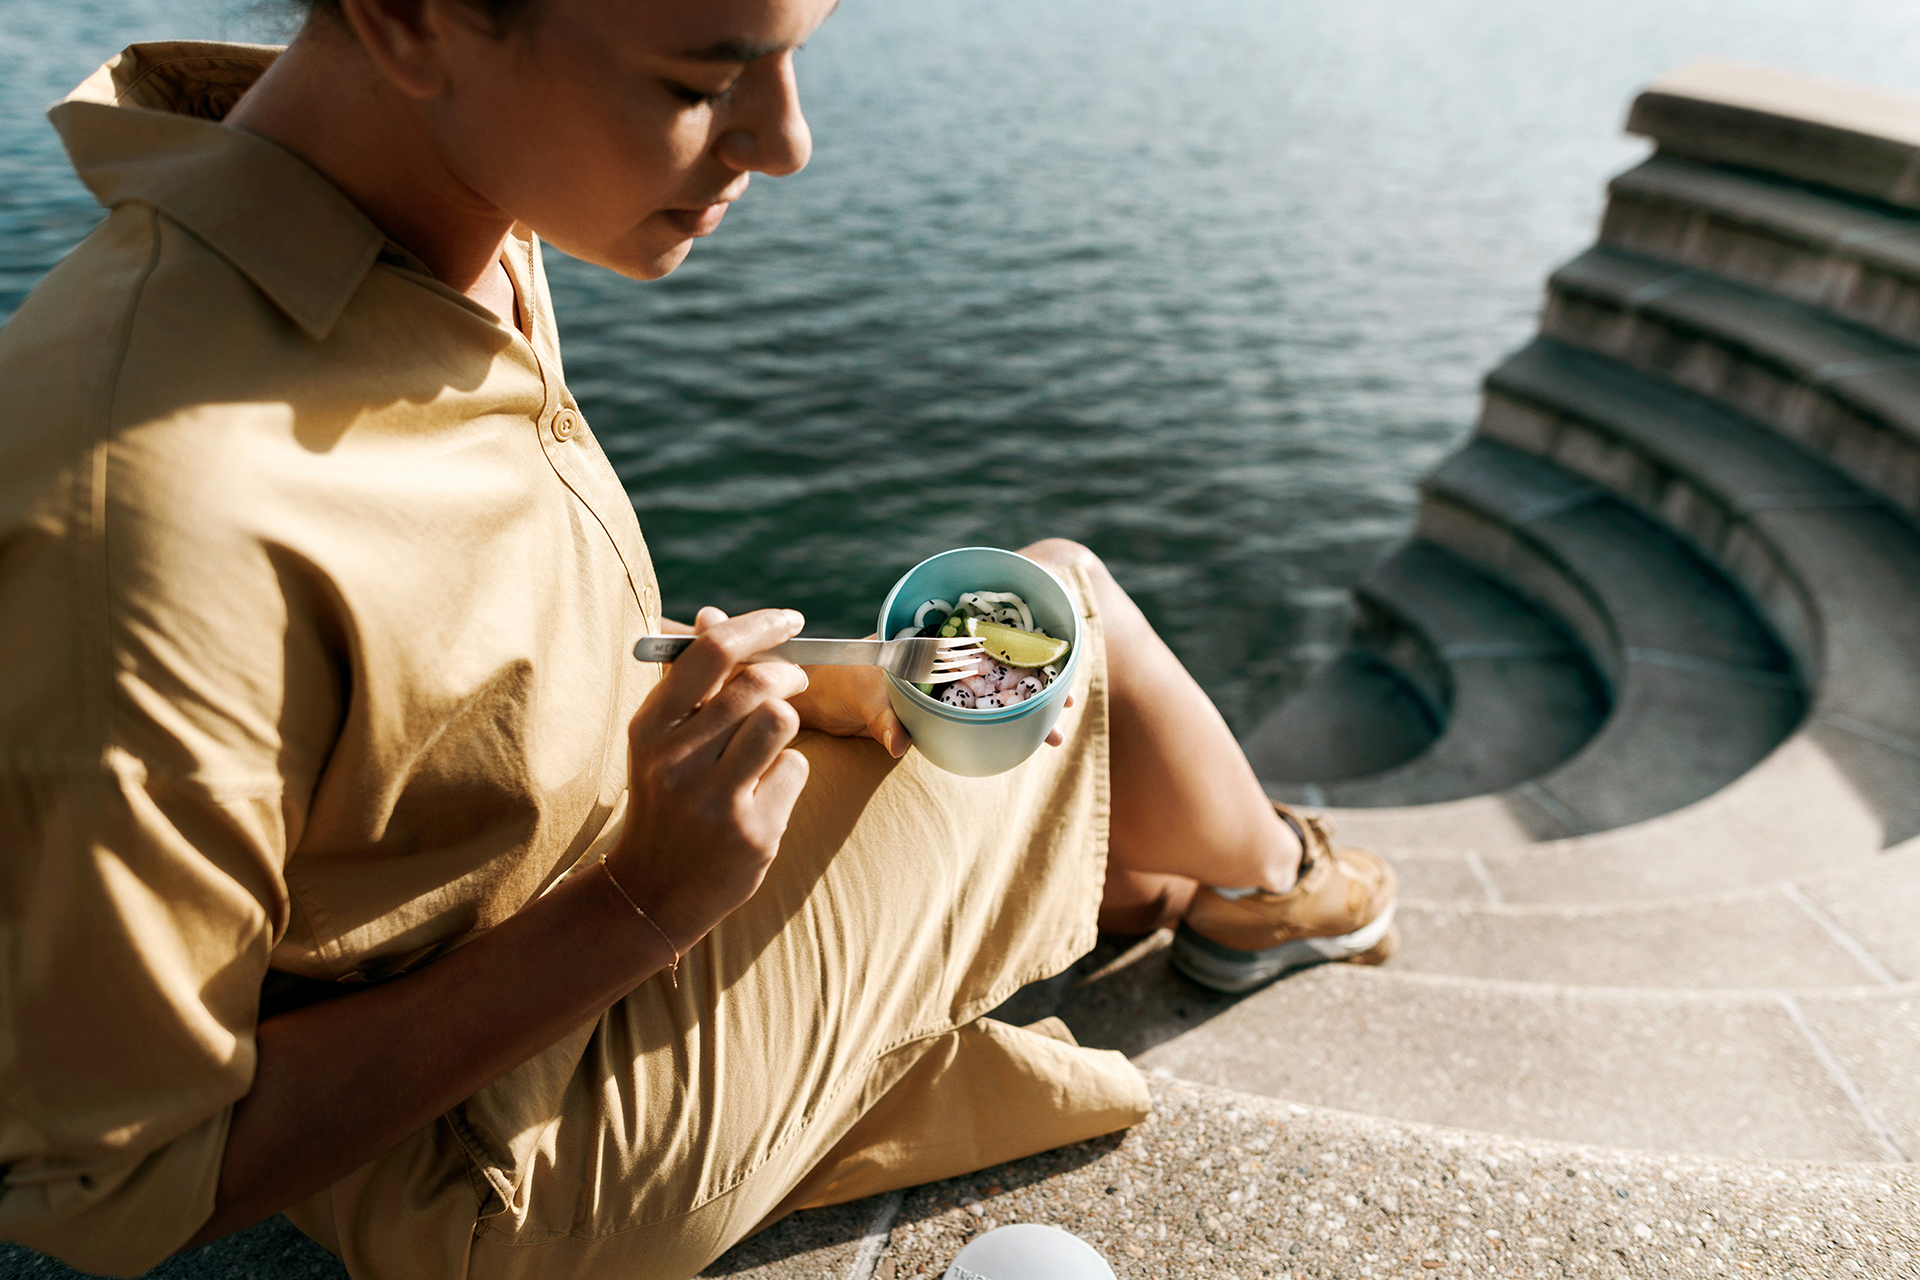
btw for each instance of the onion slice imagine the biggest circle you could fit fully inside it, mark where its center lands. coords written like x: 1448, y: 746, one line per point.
x: 920, y: 614
x: 1014, y: 609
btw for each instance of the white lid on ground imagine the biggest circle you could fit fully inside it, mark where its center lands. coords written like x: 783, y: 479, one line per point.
x: 1029, y: 1251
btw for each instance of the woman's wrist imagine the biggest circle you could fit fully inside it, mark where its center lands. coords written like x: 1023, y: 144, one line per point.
x: 655, y: 948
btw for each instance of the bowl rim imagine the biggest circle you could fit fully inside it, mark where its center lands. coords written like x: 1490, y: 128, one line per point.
x: 1031, y: 706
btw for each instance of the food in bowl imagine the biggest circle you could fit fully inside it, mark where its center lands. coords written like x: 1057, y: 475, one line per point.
x: 1020, y: 659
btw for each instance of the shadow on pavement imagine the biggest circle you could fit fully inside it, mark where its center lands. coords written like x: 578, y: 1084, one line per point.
x: 1124, y: 994
x: 271, y: 1250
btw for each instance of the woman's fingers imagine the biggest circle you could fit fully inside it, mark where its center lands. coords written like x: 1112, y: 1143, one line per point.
x: 721, y: 644
x: 885, y: 728
x: 703, y: 736
x: 761, y: 733
x: 768, y: 807
x: 1053, y: 735
x: 713, y: 778
x: 782, y: 783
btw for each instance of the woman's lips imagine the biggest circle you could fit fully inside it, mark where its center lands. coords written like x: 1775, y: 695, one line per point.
x: 697, y: 222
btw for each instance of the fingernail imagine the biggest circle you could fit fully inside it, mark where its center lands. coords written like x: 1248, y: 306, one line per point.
x: 795, y: 618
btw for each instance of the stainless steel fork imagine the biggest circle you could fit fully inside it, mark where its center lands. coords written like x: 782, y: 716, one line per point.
x: 916, y: 660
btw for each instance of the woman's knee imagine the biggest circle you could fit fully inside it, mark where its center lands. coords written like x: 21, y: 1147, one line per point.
x: 1059, y: 553
x: 1120, y: 615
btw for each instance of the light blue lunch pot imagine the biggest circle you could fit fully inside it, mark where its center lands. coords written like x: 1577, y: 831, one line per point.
x: 978, y: 744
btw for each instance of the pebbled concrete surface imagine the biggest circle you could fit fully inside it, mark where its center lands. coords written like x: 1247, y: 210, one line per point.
x: 1223, y: 1186
x: 1219, y: 1185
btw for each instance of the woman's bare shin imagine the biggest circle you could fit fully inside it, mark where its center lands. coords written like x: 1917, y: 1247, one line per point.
x: 1186, y: 804
x: 1137, y: 902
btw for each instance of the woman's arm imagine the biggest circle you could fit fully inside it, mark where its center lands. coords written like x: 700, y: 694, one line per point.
x: 338, y: 1083
x: 850, y: 701
x: 713, y: 785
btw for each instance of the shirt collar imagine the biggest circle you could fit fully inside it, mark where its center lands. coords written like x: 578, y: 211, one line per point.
x: 146, y: 127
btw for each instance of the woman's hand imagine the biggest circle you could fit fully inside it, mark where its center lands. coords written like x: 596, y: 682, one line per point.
x: 843, y: 701
x: 713, y: 780
x: 849, y: 701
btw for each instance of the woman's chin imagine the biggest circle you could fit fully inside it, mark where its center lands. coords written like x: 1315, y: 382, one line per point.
x: 651, y: 263
x: 634, y: 258
x: 659, y: 264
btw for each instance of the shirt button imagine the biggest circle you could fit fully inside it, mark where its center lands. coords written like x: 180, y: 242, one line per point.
x: 563, y: 424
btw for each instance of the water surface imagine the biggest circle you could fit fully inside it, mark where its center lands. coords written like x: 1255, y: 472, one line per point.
x: 1206, y: 286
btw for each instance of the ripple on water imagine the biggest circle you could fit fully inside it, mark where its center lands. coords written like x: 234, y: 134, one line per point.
x: 1205, y: 286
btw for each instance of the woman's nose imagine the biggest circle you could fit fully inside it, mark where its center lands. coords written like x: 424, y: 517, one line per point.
x: 767, y: 133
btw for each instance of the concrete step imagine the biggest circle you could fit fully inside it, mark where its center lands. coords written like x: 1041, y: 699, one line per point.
x: 1653, y: 591
x: 1839, y: 924
x: 1847, y: 137
x: 1381, y: 700
x: 1837, y: 573
x: 1522, y: 695
x: 1230, y: 1186
x: 1847, y: 393
x: 1806, y: 1075
x: 1702, y: 689
x: 1765, y: 937
x: 1357, y: 715
x: 1697, y: 467
x: 1877, y: 905
x: 1795, y: 813
x: 1859, y: 261
x: 1839, y: 576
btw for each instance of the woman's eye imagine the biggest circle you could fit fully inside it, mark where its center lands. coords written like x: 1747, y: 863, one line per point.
x: 697, y: 97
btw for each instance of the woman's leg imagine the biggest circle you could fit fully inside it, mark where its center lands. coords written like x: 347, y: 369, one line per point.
x: 1187, y: 808
x: 790, y: 1061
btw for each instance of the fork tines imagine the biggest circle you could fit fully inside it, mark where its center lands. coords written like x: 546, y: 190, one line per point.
x: 957, y: 658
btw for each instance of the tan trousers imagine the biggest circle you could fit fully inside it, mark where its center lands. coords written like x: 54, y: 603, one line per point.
x: 824, y: 1042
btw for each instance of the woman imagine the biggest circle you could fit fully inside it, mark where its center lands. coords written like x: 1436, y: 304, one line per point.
x: 345, y: 846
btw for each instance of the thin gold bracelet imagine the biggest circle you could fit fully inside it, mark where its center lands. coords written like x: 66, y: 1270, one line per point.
x: 673, y: 970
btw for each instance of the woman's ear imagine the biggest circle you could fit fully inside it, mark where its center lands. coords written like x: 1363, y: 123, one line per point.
x: 407, y: 39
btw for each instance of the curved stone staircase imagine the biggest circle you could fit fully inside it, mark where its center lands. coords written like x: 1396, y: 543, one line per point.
x: 1636, y: 711
x: 1699, y: 931
x: 1655, y: 788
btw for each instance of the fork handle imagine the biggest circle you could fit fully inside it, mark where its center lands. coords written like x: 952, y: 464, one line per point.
x: 807, y: 652
x: 660, y: 648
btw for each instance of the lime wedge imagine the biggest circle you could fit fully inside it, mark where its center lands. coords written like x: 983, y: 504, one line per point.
x: 1014, y: 647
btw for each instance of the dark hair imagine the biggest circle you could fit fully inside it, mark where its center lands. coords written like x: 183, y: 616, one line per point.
x: 504, y: 15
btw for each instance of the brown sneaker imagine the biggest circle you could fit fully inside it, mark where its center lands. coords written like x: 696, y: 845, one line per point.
x: 1341, y: 908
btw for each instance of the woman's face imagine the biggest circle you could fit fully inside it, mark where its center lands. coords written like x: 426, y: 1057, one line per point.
x: 619, y: 130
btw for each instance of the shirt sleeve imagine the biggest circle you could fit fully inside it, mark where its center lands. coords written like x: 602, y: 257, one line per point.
x: 137, y: 930
x: 144, y: 824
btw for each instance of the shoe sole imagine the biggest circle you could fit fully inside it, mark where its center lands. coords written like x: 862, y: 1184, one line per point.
x: 1231, y: 972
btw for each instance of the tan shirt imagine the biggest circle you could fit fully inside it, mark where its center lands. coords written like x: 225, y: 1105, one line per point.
x: 316, y: 595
